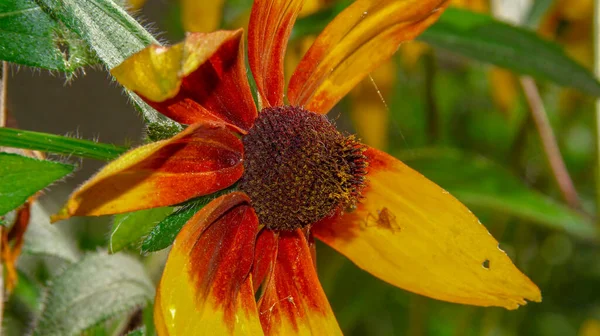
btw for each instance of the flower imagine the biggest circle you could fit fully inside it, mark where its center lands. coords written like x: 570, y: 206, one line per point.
x: 300, y: 179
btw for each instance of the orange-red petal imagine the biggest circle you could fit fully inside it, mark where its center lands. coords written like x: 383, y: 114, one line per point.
x: 265, y: 254
x: 204, y: 158
x: 271, y: 23
x: 294, y: 302
x: 359, y: 39
x: 206, y: 287
x: 202, y: 78
x: 12, y: 243
x: 413, y: 234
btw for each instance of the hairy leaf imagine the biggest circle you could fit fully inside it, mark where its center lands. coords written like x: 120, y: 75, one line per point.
x: 28, y: 36
x: 129, y: 228
x: 45, y: 239
x: 109, y: 31
x: 94, y: 289
x: 21, y: 177
x: 51, y: 143
x: 478, y: 182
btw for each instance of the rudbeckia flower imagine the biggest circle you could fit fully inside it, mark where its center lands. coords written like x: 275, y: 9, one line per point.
x: 298, y: 179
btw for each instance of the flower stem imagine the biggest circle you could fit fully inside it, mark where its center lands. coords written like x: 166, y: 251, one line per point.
x: 549, y: 144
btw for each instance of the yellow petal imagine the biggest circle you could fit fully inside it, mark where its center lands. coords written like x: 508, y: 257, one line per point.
x: 359, y: 39
x: 201, y: 16
x: 206, y: 288
x: 204, y: 158
x: 294, y: 302
x: 203, y: 78
x: 414, y: 235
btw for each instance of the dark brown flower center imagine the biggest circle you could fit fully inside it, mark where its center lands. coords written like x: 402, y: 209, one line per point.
x: 299, y: 168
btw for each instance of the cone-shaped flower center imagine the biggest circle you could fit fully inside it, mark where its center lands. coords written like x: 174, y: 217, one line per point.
x: 299, y: 168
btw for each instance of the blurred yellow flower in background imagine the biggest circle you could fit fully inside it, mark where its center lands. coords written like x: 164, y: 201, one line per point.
x: 201, y: 16
x: 569, y: 23
x: 196, y: 16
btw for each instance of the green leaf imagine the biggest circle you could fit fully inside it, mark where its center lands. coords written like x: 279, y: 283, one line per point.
x: 21, y: 177
x: 164, y: 233
x: 91, y: 20
x: 95, y: 289
x: 137, y: 332
x: 480, y: 37
x: 129, y: 228
x: 477, y: 181
x: 28, y: 36
x: 47, y: 240
x: 51, y: 143
x: 537, y: 11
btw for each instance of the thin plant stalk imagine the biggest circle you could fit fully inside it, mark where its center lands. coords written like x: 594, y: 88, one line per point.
x: 549, y: 144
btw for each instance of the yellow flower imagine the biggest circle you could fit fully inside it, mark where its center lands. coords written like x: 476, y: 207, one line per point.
x: 299, y: 179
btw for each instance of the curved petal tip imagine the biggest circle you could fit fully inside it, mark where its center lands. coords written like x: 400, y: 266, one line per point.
x: 413, y: 234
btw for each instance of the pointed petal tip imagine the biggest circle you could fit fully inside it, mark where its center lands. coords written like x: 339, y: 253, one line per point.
x: 529, y: 292
x: 202, y: 159
x: 414, y: 235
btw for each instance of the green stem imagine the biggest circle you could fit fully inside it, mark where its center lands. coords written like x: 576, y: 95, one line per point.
x: 44, y: 142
